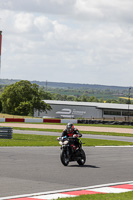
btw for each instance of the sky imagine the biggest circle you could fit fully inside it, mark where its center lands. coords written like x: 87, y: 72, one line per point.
x: 72, y: 41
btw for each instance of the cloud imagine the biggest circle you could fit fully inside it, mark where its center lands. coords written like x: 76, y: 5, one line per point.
x: 83, y: 41
x: 77, y: 9
x: 44, y: 24
x: 109, y: 11
x: 40, y: 6
x: 23, y: 22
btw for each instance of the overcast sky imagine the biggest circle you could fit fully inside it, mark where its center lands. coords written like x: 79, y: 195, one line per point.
x: 75, y: 41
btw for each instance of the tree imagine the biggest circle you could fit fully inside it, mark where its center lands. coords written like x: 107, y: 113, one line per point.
x: 93, y: 99
x: 43, y: 94
x: 83, y: 98
x: 22, y: 98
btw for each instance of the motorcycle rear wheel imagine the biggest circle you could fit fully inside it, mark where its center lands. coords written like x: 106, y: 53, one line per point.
x: 82, y: 160
x: 64, y: 158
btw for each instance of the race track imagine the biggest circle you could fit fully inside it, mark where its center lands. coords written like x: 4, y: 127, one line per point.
x: 25, y: 170
x: 103, y: 137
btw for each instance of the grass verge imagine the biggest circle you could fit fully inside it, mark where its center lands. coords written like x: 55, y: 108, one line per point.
x: 44, y: 140
x: 121, y: 196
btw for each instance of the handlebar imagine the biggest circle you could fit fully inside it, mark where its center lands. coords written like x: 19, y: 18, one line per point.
x: 67, y: 138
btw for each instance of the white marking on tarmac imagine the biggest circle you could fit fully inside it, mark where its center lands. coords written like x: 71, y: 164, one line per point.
x: 110, y: 190
x: 66, y: 190
x: 53, y: 196
x: 126, y: 146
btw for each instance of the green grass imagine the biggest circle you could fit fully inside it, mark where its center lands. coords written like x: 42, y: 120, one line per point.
x: 121, y: 196
x: 44, y: 140
x: 99, y: 142
x: 29, y: 140
x: 38, y: 129
x: 106, y: 125
x: 108, y: 133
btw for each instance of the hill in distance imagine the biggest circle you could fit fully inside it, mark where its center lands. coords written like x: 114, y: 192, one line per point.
x: 65, y: 85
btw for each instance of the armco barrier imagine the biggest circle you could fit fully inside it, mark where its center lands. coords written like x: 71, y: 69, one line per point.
x: 30, y: 120
x: 35, y: 120
x: 2, y: 119
x: 52, y: 120
x: 14, y: 120
x: 65, y: 121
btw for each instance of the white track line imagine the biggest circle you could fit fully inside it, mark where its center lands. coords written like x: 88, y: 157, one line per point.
x: 125, y: 146
x: 65, y: 190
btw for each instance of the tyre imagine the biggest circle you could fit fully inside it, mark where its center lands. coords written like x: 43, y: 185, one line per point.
x: 64, y: 158
x: 82, y: 160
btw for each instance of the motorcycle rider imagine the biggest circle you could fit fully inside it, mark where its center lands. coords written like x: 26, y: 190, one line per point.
x: 70, y: 131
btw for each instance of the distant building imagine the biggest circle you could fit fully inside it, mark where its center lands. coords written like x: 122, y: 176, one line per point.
x: 86, y: 110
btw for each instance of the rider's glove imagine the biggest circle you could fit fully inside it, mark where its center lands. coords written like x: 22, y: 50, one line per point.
x: 74, y: 136
x: 64, y: 137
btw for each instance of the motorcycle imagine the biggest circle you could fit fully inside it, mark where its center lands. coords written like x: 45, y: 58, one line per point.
x: 70, y: 151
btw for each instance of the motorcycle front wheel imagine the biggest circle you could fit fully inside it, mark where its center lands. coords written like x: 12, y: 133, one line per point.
x: 64, y: 158
x: 82, y: 160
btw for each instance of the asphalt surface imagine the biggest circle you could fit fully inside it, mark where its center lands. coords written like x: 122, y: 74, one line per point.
x: 104, y: 137
x: 25, y: 170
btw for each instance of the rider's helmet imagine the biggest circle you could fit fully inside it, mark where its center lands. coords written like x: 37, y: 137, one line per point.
x: 70, y: 127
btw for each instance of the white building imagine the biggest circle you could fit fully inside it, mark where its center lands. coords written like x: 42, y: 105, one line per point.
x: 86, y: 110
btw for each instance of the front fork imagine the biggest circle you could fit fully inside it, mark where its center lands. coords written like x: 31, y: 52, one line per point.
x: 67, y: 150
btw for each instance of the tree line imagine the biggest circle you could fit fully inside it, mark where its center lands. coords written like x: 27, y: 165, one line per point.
x: 22, y: 97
